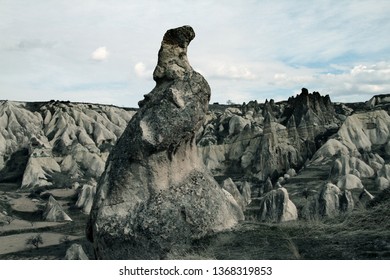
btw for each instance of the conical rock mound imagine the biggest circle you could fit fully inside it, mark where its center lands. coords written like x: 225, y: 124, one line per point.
x: 54, y: 212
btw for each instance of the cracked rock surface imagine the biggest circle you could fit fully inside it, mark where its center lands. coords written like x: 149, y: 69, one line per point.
x: 156, y: 194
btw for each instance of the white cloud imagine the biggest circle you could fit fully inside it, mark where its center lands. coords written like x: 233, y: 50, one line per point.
x: 231, y: 71
x: 259, y: 50
x: 100, y: 54
x: 362, y: 80
x: 141, y: 70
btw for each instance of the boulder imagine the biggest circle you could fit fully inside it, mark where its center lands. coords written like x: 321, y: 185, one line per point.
x: 382, y: 183
x: 268, y: 185
x: 86, y: 197
x: 246, y: 193
x: 349, y: 182
x: 362, y: 131
x: 39, y: 171
x: 237, y: 124
x: 291, y: 172
x: 384, y: 171
x: 348, y: 164
x: 331, y: 148
x: 76, y: 252
x: 329, y: 200
x: 156, y: 193
x: 54, y: 212
x: 231, y: 188
x: 347, y: 203
x: 275, y: 206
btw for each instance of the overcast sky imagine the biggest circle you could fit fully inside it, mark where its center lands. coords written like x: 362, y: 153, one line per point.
x: 105, y: 51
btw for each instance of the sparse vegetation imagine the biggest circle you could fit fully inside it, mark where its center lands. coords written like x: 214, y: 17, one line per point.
x: 65, y: 239
x: 9, y: 219
x: 35, y: 241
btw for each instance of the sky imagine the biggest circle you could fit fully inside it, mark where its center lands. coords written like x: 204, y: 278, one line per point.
x: 105, y: 51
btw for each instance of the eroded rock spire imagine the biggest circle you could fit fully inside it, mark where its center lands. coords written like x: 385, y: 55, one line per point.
x: 155, y: 193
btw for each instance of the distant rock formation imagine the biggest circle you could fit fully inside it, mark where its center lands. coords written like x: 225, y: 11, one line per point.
x: 76, y: 252
x: 70, y: 139
x: 275, y: 206
x: 231, y: 187
x: 329, y: 200
x: 86, y: 197
x: 332, y: 200
x: 310, y: 112
x: 349, y: 182
x: 155, y: 192
x: 266, y: 140
x: 54, y: 212
x: 378, y: 100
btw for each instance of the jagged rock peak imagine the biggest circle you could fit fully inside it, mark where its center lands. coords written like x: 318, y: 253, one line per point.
x: 307, y: 105
x: 172, y: 57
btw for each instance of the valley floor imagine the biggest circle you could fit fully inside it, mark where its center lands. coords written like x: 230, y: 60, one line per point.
x: 362, y: 234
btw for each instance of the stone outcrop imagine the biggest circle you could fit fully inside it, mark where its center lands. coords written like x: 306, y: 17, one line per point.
x: 266, y: 140
x: 85, y: 198
x: 349, y: 182
x: 311, y: 113
x: 39, y: 140
x: 330, y: 202
x: 378, y: 100
x: 54, y: 212
x: 231, y: 188
x: 275, y: 206
x: 155, y: 193
x: 76, y: 252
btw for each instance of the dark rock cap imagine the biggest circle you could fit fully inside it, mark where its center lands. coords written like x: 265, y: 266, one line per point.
x: 180, y: 36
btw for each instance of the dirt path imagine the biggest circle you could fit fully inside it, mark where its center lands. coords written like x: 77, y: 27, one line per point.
x: 17, y: 242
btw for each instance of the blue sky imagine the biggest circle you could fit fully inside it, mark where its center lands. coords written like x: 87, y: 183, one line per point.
x: 105, y: 51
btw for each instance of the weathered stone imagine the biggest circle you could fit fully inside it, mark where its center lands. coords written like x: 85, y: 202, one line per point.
x: 382, y: 183
x: 268, y: 185
x: 347, y: 203
x: 276, y: 206
x: 54, y: 212
x: 155, y: 192
x: 86, y: 197
x: 329, y: 200
x: 246, y: 193
x: 76, y: 252
x: 349, y: 182
x: 231, y: 187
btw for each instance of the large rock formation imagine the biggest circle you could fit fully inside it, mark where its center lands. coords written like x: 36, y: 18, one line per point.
x: 53, y: 144
x: 266, y: 140
x: 54, y: 212
x: 275, y: 206
x: 85, y: 198
x: 155, y: 192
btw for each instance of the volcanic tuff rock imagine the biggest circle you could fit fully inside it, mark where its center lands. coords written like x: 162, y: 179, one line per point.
x: 231, y: 187
x: 155, y: 192
x: 75, y: 252
x: 266, y: 140
x: 275, y: 206
x: 56, y: 143
x: 85, y: 198
x: 54, y: 211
